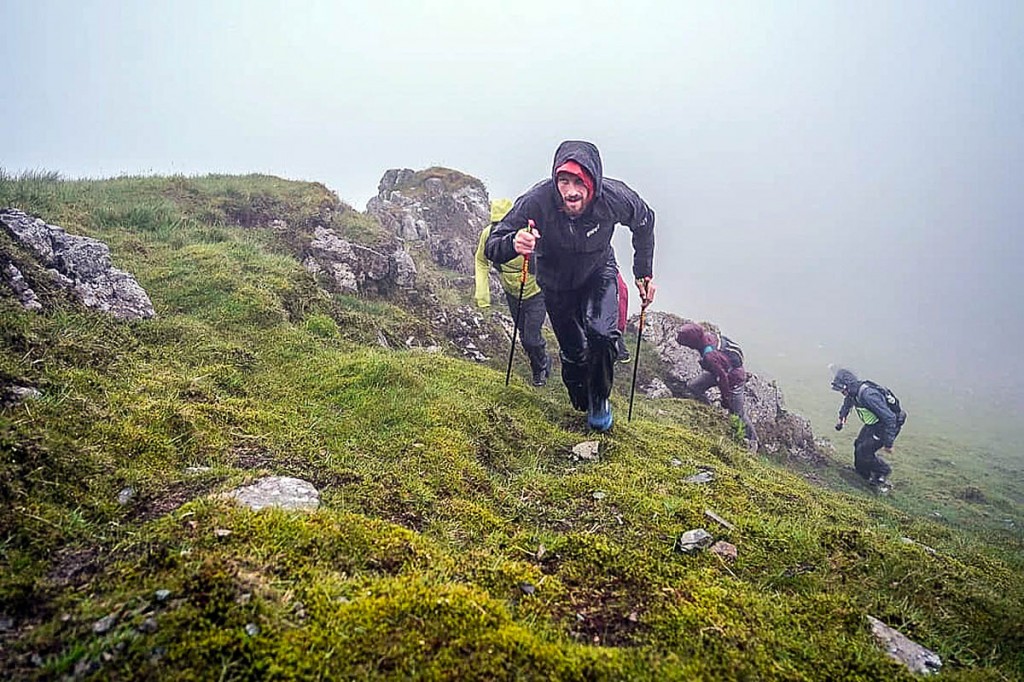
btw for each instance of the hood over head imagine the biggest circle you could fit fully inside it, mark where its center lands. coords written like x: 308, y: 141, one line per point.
x: 844, y: 379
x: 693, y: 335
x: 586, y: 155
x: 577, y: 170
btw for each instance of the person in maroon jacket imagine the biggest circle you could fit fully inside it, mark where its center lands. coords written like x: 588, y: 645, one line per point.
x: 722, y: 362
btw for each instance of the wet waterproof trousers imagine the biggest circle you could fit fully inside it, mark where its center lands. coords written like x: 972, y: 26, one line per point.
x: 865, y: 449
x: 585, y: 322
x: 529, y: 328
x: 735, y: 400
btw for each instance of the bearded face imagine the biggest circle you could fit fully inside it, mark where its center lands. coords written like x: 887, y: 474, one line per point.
x: 574, y: 192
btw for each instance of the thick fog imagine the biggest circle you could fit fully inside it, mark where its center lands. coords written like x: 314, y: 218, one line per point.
x: 833, y: 181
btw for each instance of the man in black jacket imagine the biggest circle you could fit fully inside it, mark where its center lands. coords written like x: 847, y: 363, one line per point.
x: 575, y: 212
x: 883, y: 418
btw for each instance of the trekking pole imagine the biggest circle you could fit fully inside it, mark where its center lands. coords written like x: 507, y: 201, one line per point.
x: 636, y: 358
x: 519, y: 312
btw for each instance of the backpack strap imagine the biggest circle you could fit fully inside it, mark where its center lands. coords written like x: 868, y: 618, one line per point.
x: 891, y: 401
x: 731, y: 349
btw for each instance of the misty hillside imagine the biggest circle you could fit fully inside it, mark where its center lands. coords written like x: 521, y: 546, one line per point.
x: 439, y: 525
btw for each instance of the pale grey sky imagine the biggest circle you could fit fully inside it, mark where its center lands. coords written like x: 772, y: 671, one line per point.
x: 842, y: 175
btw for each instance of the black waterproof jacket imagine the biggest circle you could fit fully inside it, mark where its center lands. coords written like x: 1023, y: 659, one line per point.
x: 570, y: 250
x: 863, y: 395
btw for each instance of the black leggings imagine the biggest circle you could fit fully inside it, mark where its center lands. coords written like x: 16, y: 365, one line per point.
x: 530, y: 328
x: 865, y: 449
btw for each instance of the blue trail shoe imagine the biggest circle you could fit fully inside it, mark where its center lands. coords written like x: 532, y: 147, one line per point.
x: 599, y: 416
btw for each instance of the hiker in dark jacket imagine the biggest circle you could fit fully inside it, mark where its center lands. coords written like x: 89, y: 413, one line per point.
x: 722, y: 362
x: 882, y: 419
x: 575, y: 212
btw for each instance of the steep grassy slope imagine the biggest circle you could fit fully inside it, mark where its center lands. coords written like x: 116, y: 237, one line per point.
x: 957, y: 465
x: 457, y: 538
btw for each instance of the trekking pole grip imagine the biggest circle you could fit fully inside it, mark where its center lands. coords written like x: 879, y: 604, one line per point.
x: 526, y: 258
x: 519, y: 311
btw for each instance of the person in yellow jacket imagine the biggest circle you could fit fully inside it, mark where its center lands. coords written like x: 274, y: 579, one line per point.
x: 533, y: 312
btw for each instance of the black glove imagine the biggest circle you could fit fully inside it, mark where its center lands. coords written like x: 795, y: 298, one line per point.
x: 839, y: 426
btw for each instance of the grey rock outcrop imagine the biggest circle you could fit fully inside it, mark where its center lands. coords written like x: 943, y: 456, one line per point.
x: 475, y: 335
x: 779, y: 430
x: 80, y: 264
x: 349, y: 268
x: 15, y: 281
x: 404, y: 268
x: 443, y: 209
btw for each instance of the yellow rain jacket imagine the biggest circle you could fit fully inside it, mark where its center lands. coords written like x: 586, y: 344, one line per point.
x: 509, y: 271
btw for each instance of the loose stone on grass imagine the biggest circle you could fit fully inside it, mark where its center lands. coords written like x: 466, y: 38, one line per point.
x: 910, y: 541
x: 587, y: 450
x: 148, y: 626
x: 85, y: 667
x: 908, y: 652
x: 103, y: 625
x: 694, y: 540
x: 18, y: 394
x: 726, y: 550
x: 702, y: 477
x: 284, y: 492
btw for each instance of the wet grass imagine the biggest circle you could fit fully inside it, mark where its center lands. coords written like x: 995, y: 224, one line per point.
x: 457, y: 537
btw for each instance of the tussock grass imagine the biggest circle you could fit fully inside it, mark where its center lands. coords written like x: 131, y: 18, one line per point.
x: 457, y: 536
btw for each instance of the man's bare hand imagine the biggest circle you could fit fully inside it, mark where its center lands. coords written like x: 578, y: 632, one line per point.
x: 526, y: 241
x: 647, y: 288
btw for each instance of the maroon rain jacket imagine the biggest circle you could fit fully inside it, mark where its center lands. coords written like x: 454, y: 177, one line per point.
x: 712, y: 359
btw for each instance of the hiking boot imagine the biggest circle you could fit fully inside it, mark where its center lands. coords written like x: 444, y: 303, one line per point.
x: 880, y: 484
x: 621, y: 352
x: 599, y: 416
x: 540, y: 377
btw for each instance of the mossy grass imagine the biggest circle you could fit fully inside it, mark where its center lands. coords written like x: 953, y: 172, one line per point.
x: 458, y: 537
x: 452, y: 180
